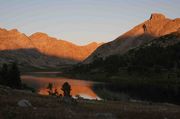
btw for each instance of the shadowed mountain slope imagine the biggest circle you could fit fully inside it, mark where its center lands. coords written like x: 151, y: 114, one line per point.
x: 31, y: 57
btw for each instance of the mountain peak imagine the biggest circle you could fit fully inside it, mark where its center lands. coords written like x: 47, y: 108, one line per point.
x: 157, y: 16
x: 14, y: 30
x: 40, y: 34
x: 40, y: 49
x: 158, y: 25
x: 3, y: 29
x: 93, y: 43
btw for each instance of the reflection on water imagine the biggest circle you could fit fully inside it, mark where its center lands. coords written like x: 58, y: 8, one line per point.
x: 79, y: 87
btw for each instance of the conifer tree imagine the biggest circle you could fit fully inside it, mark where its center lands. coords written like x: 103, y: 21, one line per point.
x: 4, y: 74
x: 66, y: 88
x: 14, y: 76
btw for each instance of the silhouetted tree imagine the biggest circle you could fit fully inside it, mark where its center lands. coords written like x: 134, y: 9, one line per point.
x: 66, y: 88
x: 10, y: 76
x: 1, y: 79
x: 55, y: 92
x: 14, y: 79
x: 4, y: 74
x: 50, y: 88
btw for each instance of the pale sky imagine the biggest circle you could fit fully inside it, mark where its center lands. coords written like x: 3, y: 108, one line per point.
x: 81, y: 21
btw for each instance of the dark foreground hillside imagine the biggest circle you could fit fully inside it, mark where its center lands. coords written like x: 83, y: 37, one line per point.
x: 47, y: 107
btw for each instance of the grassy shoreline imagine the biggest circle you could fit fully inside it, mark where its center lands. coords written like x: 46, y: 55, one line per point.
x: 48, y: 107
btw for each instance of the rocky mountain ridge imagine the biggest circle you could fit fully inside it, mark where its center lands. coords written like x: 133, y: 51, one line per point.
x: 40, y: 50
x: 158, y: 25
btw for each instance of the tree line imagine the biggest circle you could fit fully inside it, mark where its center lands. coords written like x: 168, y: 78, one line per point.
x: 144, y: 60
x: 10, y: 76
x: 149, y: 71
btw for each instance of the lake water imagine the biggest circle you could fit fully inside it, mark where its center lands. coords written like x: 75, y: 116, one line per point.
x: 93, y: 90
x: 40, y: 80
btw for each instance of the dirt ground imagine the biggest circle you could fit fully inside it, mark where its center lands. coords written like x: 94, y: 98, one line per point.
x: 48, y: 107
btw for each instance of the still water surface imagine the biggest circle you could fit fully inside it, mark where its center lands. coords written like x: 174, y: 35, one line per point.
x: 39, y: 81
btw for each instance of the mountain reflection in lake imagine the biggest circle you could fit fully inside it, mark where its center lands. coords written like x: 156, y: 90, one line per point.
x: 79, y: 87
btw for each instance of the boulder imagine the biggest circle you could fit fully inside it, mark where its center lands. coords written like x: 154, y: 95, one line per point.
x: 24, y: 103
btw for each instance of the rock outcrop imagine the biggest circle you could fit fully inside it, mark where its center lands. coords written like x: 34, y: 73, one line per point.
x: 158, y: 25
